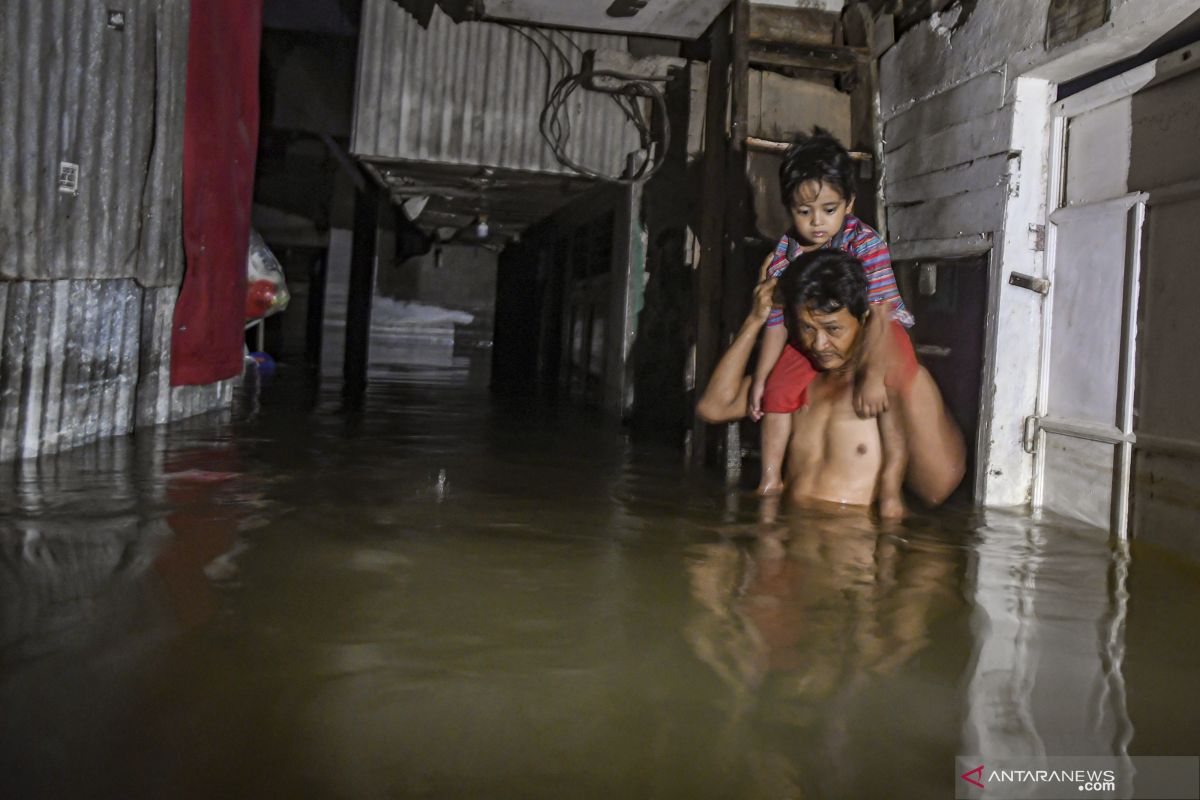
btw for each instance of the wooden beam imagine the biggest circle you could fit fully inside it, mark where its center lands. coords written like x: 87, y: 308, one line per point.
x: 757, y: 145
x: 791, y: 25
x: 368, y: 203
x: 737, y: 281
x: 707, y: 293
x: 826, y: 58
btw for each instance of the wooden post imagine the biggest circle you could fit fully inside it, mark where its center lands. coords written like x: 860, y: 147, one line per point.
x: 737, y: 281
x: 709, y: 271
x: 858, y: 29
x: 362, y: 286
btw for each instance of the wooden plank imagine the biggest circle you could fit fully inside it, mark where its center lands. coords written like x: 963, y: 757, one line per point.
x: 780, y: 107
x: 367, y: 207
x: 975, y: 175
x: 697, y: 91
x: 949, y: 217
x: 736, y: 281
x: 979, y: 96
x: 1166, y: 127
x: 827, y: 58
x: 958, y: 247
x: 795, y: 25
x: 1168, y: 370
x: 1067, y: 20
x: 977, y: 138
x: 1098, y: 153
x: 706, y: 320
x: 865, y: 132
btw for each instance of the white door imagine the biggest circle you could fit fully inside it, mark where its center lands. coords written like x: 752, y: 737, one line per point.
x: 1082, y: 433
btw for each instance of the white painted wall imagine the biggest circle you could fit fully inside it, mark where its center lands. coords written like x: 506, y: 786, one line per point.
x: 964, y: 105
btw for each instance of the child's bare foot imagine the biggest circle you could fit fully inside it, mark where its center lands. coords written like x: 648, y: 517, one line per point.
x: 769, y: 487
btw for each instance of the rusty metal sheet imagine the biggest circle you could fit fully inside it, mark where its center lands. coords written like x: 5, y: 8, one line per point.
x: 91, y: 139
x: 69, y: 368
x: 472, y: 93
x: 85, y: 360
x: 678, y: 19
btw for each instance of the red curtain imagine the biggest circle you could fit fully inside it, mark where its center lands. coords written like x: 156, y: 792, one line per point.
x: 220, y: 141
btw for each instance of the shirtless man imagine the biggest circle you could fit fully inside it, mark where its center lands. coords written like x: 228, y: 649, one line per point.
x: 834, y: 455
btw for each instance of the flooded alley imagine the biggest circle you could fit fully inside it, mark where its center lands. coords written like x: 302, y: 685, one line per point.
x: 614, y: 399
x: 443, y: 594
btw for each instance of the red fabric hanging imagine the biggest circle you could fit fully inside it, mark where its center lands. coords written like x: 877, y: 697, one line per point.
x: 220, y: 142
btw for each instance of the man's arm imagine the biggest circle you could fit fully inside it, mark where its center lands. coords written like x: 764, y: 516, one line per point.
x: 895, y: 462
x: 726, y: 397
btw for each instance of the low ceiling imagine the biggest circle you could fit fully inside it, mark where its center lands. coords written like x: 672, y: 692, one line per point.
x: 458, y: 195
x: 674, y: 19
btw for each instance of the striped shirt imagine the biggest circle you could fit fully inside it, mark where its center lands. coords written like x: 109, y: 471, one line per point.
x: 861, y: 241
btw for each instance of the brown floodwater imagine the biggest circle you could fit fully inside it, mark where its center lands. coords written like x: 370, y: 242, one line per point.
x: 436, y: 593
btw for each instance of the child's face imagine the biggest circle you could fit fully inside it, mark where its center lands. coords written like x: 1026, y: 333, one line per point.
x: 819, y: 211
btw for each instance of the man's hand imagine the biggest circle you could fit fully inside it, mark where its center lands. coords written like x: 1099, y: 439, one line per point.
x: 870, y: 394
x: 762, y: 271
x: 764, y: 299
x: 756, y: 395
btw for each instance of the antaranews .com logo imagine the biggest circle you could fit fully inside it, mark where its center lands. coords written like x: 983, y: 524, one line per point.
x: 1165, y: 777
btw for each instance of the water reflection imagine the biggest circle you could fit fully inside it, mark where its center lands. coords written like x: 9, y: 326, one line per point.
x: 430, y: 594
x: 806, y: 623
x: 107, y: 554
x: 1050, y: 609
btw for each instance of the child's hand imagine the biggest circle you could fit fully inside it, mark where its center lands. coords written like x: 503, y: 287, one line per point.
x: 756, y: 395
x: 870, y: 394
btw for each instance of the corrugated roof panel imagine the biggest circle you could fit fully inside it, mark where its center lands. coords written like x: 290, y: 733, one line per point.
x: 96, y: 102
x: 472, y: 94
x: 680, y: 19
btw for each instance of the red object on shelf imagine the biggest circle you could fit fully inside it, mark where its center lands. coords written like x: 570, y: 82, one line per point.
x: 259, y: 299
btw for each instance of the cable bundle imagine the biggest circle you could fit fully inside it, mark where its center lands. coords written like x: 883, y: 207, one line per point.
x: 554, y: 122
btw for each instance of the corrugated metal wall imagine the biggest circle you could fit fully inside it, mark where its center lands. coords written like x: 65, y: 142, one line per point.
x: 70, y: 353
x: 76, y: 89
x: 472, y: 94
x: 82, y: 360
x: 89, y: 279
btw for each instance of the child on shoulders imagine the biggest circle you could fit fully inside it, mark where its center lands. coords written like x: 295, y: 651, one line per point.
x: 816, y: 182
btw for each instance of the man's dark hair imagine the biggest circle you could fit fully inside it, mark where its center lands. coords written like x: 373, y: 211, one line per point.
x: 818, y: 156
x: 823, y: 281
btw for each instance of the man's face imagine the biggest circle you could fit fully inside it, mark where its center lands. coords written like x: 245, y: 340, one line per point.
x: 828, y: 339
x: 819, y: 211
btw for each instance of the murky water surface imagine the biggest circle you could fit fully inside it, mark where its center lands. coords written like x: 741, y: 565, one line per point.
x: 443, y: 595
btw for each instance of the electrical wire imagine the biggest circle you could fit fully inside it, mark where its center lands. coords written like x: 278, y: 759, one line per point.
x: 554, y: 122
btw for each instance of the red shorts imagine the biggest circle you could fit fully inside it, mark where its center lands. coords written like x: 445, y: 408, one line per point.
x: 788, y: 382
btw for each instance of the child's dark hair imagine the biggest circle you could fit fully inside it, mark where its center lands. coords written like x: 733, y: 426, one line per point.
x: 815, y: 157
x: 823, y: 281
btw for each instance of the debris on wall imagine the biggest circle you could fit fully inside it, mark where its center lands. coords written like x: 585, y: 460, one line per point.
x: 1067, y: 20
